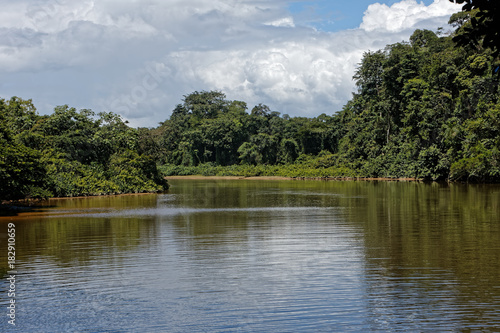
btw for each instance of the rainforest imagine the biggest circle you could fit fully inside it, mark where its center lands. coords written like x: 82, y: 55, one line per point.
x: 427, y: 108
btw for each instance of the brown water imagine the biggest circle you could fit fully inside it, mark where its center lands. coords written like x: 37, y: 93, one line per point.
x: 261, y: 256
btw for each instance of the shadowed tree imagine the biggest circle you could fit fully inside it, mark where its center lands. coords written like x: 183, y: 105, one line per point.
x: 482, y: 26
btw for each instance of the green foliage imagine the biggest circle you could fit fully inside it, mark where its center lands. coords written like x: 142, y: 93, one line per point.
x: 437, y: 107
x: 70, y: 153
x: 478, y: 24
x: 133, y: 173
x: 223, y: 133
x: 71, y: 178
x: 21, y: 172
x: 294, y: 170
x: 483, y: 165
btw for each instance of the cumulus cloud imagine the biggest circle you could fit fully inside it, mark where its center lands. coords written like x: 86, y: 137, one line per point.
x: 405, y: 14
x: 139, y: 58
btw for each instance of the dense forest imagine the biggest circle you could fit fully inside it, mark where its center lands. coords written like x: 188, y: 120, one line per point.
x: 70, y: 153
x: 428, y: 108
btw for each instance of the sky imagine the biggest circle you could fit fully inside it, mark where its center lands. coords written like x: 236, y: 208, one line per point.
x: 138, y: 58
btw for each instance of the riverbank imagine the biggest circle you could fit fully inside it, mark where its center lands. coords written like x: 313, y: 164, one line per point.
x: 229, y: 177
x: 307, y: 171
x: 9, y: 208
x: 194, y: 177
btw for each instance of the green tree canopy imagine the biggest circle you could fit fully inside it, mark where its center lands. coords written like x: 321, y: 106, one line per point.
x: 481, y: 25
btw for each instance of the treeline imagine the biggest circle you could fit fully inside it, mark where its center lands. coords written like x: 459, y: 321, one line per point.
x: 424, y: 108
x: 70, y: 153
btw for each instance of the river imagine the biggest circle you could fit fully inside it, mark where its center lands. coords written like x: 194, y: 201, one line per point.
x: 260, y: 256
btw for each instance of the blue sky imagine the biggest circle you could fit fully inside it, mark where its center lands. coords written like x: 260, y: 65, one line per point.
x: 139, y: 58
x: 328, y: 15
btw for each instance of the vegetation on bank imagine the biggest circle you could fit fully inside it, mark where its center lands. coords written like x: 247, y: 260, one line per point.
x: 307, y: 166
x: 70, y: 153
x: 427, y: 108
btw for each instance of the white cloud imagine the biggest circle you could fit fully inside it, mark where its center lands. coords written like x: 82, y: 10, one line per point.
x: 283, y: 22
x: 404, y: 15
x: 138, y: 58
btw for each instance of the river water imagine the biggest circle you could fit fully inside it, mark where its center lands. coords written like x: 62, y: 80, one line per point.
x: 260, y: 256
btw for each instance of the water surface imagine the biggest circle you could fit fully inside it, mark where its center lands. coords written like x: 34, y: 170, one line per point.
x: 261, y: 256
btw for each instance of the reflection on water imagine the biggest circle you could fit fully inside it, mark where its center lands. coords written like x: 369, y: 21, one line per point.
x: 262, y: 256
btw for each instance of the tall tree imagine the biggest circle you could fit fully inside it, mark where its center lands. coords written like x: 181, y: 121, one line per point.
x: 484, y: 28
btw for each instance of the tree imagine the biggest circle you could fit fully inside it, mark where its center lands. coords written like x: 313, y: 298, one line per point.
x: 368, y: 76
x: 424, y: 39
x: 205, y: 104
x: 21, y: 172
x: 484, y: 29
x: 20, y: 115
